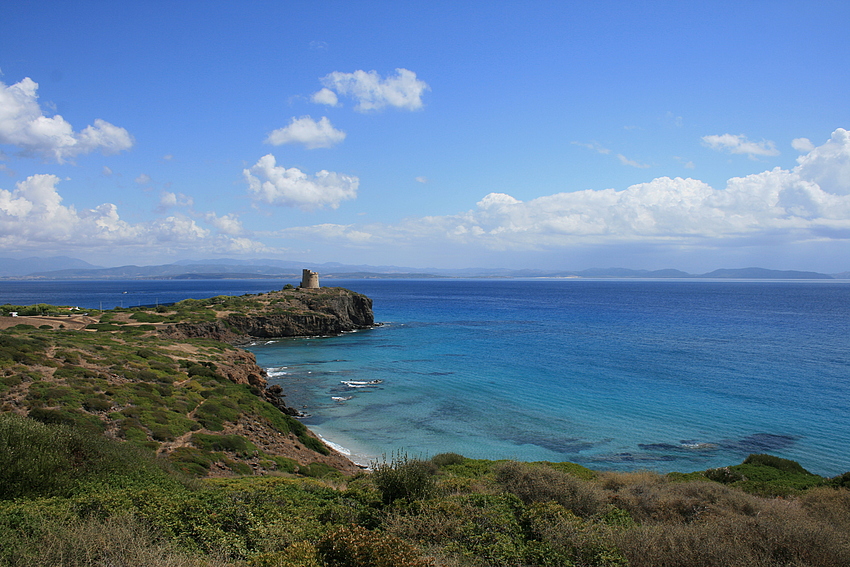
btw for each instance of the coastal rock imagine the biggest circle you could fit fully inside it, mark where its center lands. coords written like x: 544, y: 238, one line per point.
x: 297, y: 313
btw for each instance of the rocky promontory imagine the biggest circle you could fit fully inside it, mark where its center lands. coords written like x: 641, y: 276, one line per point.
x: 286, y: 313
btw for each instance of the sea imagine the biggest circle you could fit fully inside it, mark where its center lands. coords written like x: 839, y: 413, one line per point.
x: 662, y: 375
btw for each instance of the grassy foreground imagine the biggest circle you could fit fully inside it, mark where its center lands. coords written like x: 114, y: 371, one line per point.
x: 70, y: 497
x: 122, y: 447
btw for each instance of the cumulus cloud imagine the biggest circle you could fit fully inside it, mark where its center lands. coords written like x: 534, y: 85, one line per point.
x: 802, y: 145
x: 307, y: 131
x: 143, y: 179
x: 34, y: 217
x: 739, y: 144
x: 24, y: 125
x: 226, y: 224
x: 829, y: 165
x: 168, y: 199
x: 808, y: 203
x: 325, y: 96
x: 34, y: 212
x: 372, y: 92
x: 291, y: 187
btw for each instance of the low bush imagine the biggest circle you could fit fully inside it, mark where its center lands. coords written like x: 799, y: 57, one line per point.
x: 119, y: 539
x: 233, y: 443
x: 37, y: 459
x: 356, y: 546
x: 404, y: 478
x: 540, y: 483
x: 445, y: 459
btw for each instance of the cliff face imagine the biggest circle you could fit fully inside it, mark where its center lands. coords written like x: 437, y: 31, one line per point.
x: 295, y: 313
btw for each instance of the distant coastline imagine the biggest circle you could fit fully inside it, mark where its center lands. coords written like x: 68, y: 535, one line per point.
x: 72, y: 269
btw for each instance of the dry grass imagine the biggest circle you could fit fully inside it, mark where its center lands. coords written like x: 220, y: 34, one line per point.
x: 117, y: 541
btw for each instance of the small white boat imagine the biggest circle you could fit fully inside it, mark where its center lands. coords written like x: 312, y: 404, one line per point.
x: 341, y: 398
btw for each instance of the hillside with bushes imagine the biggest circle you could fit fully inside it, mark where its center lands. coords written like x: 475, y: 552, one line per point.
x: 152, y: 377
x: 127, y: 440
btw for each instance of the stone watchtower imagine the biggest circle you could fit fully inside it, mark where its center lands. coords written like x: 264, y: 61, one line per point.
x: 309, y: 279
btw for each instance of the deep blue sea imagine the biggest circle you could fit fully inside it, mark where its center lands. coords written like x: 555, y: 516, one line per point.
x: 612, y: 374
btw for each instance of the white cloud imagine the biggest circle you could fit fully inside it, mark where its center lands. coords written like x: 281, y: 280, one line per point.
x: 143, y: 179
x: 802, y: 145
x: 178, y: 229
x: 421, y: 179
x: 307, y: 131
x: 829, y: 164
x: 33, y: 213
x: 24, y: 125
x: 403, y: 90
x: 226, y: 224
x: 168, y: 199
x: 739, y: 144
x: 291, y: 187
x: 631, y: 163
x: 107, y: 171
x: 33, y: 218
x: 325, y: 96
x: 808, y: 203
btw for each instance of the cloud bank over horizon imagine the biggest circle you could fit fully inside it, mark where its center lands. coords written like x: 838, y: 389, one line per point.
x: 810, y: 202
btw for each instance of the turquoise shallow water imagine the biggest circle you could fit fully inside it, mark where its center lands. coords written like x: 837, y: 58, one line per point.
x: 663, y: 375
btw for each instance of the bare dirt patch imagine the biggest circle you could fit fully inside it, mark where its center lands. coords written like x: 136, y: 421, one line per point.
x: 75, y: 322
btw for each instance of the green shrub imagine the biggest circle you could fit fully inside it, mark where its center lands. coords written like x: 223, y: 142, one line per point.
x: 37, y: 459
x: 213, y: 415
x: 724, y: 475
x: 71, y: 418
x: 318, y: 470
x: 445, y: 459
x: 778, y: 463
x: 191, y: 461
x: 143, y: 317
x: 97, y: 404
x: 404, y: 478
x: 356, y: 546
x: 116, y: 539
x: 767, y: 475
x: 485, y: 527
x: 541, y: 483
x: 239, y: 468
x: 842, y: 481
x: 233, y: 443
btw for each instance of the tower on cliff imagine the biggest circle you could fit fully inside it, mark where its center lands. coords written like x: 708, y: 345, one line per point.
x: 309, y: 279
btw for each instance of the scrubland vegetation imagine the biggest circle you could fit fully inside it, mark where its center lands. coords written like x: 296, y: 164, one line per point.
x: 122, y: 448
x: 82, y: 499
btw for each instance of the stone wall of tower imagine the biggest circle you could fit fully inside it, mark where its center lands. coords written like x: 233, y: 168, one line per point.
x: 309, y: 279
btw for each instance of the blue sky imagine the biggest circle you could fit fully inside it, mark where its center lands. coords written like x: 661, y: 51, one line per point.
x: 563, y: 135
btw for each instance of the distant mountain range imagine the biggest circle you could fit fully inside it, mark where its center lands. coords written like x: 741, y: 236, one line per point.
x: 62, y: 267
